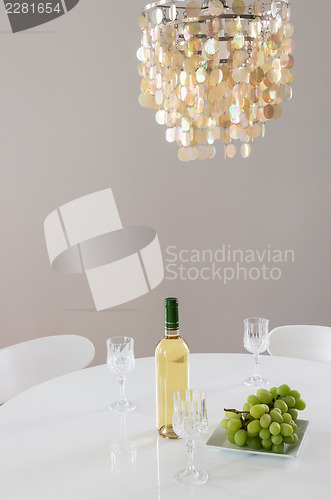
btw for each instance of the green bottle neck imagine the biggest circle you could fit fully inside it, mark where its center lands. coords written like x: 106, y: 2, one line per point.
x: 171, y: 317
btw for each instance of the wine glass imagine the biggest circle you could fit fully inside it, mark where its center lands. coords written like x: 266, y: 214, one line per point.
x: 120, y: 360
x: 190, y: 421
x: 256, y: 341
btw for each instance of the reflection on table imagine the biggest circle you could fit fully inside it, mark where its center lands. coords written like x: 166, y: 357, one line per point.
x: 61, y: 440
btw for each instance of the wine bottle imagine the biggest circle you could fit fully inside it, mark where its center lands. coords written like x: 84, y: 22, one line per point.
x: 171, y: 368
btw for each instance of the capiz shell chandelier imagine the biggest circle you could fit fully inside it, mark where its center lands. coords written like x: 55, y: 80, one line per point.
x: 215, y: 71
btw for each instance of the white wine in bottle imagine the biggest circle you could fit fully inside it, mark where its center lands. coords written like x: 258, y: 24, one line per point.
x: 171, y: 368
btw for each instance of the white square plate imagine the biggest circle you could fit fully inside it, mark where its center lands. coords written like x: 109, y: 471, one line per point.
x: 219, y: 439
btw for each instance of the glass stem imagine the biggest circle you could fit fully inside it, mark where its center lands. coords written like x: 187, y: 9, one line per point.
x: 122, y: 380
x: 190, y: 448
x: 256, y: 365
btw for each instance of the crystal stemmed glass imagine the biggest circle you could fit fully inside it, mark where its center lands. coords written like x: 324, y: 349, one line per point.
x: 120, y: 360
x: 190, y: 421
x: 256, y: 341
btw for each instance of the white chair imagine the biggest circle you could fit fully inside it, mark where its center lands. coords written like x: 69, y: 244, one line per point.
x: 29, y: 363
x: 301, y: 341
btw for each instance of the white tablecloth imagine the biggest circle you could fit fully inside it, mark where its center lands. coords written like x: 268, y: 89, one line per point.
x: 59, y: 440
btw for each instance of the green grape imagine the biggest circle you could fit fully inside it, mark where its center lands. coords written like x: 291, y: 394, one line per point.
x: 289, y: 400
x: 289, y: 439
x: 294, y: 413
x: 265, y: 420
x: 234, y: 424
x: 295, y: 437
x: 266, y: 407
x: 279, y: 410
x: 264, y: 396
x: 273, y: 392
x: 281, y: 405
x: 295, y: 394
x: 274, y: 428
x: 231, y: 414
x: 267, y: 444
x: 254, y: 427
x: 286, y: 429
x: 287, y: 417
x: 224, y: 423
x: 294, y: 426
x: 253, y: 400
x: 240, y: 437
x: 247, y: 406
x: 276, y: 439
x: 264, y: 433
x: 276, y: 416
x: 231, y: 435
x: 257, y: 411
x: 254, y: 442
x: 283, y: 390
x: 278, y: 448
x: 300, y: 404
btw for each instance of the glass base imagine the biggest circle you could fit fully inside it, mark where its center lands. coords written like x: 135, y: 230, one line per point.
x: 256, y: 381
x: 123, y: 406
x: 192, y: 477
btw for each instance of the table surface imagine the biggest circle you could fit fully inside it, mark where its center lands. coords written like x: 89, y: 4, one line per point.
x: 58, y: 440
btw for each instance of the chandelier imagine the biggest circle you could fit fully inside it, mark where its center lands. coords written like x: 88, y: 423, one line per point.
x: 215, y: 71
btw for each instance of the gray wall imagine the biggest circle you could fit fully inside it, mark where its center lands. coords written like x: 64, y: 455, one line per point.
x: 71, y: 125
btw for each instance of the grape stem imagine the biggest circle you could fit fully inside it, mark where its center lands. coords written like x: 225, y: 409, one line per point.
x: 235, y: 411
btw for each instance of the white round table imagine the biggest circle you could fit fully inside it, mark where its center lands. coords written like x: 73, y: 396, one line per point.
x: 59, y: 441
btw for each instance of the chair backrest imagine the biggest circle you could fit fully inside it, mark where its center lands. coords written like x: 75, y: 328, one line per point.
x: 30, y: 363
x: 301, y: 341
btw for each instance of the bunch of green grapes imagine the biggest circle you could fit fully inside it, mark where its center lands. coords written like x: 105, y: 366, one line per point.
x: 267, y: 419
